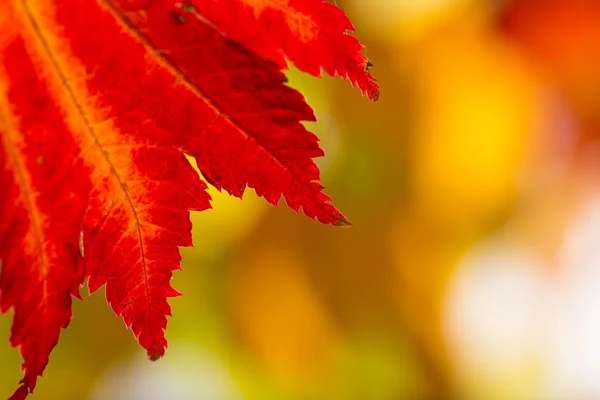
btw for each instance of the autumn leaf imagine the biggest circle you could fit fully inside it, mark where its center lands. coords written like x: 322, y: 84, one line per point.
x: 311, y: 33
x: 101, y: 101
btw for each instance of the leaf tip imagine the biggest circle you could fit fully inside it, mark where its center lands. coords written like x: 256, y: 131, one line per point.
x: 373, y: 94
x: 20, y: 394
x: 154, y: 355
x: 156, y: 351
x: 343, y: 222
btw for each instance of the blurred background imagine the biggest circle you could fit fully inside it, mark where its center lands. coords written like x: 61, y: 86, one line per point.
x: 473, y: 267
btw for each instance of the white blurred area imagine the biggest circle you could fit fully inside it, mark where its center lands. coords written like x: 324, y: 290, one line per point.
x: 190, y: 372
x: 523, y: 328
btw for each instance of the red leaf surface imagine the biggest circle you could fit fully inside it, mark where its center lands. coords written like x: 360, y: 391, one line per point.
x: 38, y: 239
x: 311, y: 33
x: 99, y: 104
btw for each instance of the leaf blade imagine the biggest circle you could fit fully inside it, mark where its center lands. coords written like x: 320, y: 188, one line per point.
x: 130, y: 176
x: 313, y: 34
x: 39, y: 276
x: 244, y: 123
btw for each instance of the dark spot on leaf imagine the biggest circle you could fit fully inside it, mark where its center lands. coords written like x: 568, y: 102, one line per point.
x: 178, y: 17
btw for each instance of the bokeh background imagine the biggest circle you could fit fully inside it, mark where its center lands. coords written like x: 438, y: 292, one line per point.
x: 473, y: 267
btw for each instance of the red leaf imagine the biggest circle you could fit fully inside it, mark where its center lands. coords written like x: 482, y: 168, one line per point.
x: 38, y: 236
x: 99, y: 103
x: 311, y: 33
x: 238, y: 119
